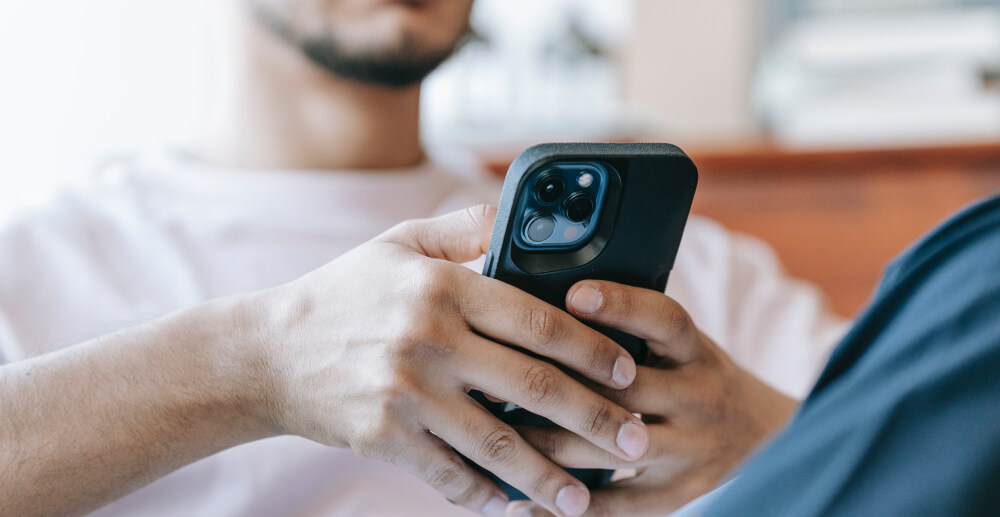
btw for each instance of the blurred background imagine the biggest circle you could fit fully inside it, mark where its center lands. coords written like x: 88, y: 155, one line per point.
x: 836, y: 130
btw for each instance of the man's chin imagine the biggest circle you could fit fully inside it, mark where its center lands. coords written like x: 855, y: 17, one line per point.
x: 397, y: 43
x: 394, y: 68
x: 414, y: 4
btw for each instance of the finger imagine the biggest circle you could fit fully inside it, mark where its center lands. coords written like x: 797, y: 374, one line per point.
x: 526, y: 509
x: 440, y: 467
x: 495, y: 446
x: 456, y: 237
x: 655, y: 391
x: 509, y: 315
x: 628, y: 497
x: 571, y: 451
x: 644, y: 313
x: 547, y: 391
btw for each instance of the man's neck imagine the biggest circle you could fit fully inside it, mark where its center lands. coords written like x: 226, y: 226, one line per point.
x: 276, y: 110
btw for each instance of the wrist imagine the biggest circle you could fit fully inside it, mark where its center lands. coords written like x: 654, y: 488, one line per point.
x: 235, y: 362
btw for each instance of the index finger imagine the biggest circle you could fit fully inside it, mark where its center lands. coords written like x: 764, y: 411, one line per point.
x: 643, y: 313
x: 509, y: 315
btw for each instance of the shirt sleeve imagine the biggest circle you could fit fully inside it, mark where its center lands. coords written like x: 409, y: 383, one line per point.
x: 737, y: 292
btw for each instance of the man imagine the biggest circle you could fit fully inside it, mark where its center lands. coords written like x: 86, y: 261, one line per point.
x: 315, y: 151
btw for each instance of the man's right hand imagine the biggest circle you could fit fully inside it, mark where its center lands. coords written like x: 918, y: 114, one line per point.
x: 378, y: 350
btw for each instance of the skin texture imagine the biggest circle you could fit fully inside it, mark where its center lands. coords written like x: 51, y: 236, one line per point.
x: 350, y: 344
x: 704, y: 413
x: 347, y: 356
x: 90, y: 423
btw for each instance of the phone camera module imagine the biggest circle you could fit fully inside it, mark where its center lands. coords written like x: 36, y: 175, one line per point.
x: 550, y: 188
x: 540, y: 228
x: 579, y: 208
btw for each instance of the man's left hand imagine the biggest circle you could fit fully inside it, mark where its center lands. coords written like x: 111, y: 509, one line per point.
x: 704, y: 413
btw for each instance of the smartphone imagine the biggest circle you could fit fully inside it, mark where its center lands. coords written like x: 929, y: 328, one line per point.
x: 578, y: 211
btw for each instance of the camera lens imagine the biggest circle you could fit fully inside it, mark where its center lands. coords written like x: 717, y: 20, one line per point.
x: 549, y: 188
x: 540, y: 228
x: 579, y: 208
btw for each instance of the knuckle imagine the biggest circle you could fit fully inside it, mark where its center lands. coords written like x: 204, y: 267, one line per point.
x: 601, y: 356
x: 396, y: 394
x: 541, y: 325
x: 412, y: 332
x: 678, y: 318
x: 499, y: 446
x: 543, y: 440
x: 435, y: 283
x: 436, y: 349
x: 400, y: 229
x: 550, y: 445
x: 623, y: 397
x: 478, y: 214
x: 623, y: 305
x: 379, y: 441
x: 708, y: 400
x: 447, y: 474
x: 598, y: 418
x: 399, y: 395
x: 541, y: 383
x: 546, y: 481
x: 422, y: 337
x: 471, y: 493
x: 407, y: 227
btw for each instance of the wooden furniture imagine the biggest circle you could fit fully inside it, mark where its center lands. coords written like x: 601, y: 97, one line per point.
x: 836, y: 217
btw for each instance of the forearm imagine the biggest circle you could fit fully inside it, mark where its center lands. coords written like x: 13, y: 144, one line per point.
x: 91, y: 423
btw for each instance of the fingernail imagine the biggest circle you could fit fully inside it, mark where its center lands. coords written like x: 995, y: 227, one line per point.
x: 573, y: 500
x: 624, y: 371
x: 496, y: 507
x: 632, y: 439
x: 587, y: 300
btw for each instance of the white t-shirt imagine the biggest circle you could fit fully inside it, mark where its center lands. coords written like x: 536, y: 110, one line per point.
x: 155, y: 233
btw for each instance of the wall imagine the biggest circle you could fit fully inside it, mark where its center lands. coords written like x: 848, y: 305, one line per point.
x: 688, y: 65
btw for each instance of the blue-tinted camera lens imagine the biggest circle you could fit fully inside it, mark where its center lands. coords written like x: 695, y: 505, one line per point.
x: 550, y: 188
x: 540, y: 228
x: 579, y: 208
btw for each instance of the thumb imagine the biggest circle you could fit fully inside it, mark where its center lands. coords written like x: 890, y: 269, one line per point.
x: 456, y: 237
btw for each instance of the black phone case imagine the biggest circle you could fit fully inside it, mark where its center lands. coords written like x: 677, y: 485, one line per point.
x: 648, y: 217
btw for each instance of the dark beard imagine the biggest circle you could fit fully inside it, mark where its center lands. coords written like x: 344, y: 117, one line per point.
x: 398, y: 67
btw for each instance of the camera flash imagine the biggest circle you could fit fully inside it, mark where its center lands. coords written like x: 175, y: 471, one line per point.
x: 585, y: 180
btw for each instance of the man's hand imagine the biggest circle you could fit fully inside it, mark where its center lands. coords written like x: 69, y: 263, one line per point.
x: 704, y: 413
x: 378, y: 350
